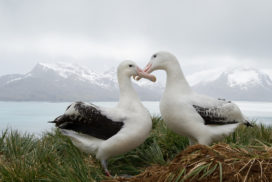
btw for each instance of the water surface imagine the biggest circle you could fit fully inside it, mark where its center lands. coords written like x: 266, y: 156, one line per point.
x: 33, y: 117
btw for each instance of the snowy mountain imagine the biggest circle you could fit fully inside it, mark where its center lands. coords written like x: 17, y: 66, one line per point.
x: 71, y: 82
x: 241, y: 83
x: 68, y: 82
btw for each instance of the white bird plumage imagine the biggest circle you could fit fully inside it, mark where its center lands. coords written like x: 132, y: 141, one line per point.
x: 108, y: 132
x: 201, y: 118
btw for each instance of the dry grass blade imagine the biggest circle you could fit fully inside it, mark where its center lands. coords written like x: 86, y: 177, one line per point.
x: 261, y: 168
x: 252, y: 162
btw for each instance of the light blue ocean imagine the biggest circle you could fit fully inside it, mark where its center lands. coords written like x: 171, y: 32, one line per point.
x: 33, y: 117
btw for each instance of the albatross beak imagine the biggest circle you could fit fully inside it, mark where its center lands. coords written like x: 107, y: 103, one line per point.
x: 143, y: 74
x: 147, y: 70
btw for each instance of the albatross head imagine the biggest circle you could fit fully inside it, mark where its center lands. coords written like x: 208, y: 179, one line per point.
x: 160, y: 61
x: 129, y: 68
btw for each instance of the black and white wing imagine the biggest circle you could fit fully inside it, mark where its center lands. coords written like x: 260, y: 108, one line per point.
x: 88, y: 119
x: 215, y: 115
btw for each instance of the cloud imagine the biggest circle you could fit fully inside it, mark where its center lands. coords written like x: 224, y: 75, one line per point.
x: 203, y: 34
x: 76, y: 47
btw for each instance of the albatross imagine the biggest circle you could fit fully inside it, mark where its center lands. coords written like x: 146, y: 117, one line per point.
x: 201, y: 118
x: 108, y: 132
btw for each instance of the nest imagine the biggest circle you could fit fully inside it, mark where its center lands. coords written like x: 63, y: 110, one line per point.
x: 220, y: 162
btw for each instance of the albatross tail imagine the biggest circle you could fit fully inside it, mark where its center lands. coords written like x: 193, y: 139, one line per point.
x: 218, y: 132
x: 248, y: 124
x: 86, y: 143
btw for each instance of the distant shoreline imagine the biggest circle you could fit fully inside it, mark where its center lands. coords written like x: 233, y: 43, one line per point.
x: 68, y: 101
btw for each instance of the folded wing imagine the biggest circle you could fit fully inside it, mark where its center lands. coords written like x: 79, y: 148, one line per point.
x: 214, y: 115
x: 88, y: 119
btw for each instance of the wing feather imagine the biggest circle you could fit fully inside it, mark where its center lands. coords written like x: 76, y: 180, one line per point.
x: 88, y: 119
x: 213, y: 115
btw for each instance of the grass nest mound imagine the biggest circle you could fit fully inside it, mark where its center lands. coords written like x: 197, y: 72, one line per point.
x: 220, y: 162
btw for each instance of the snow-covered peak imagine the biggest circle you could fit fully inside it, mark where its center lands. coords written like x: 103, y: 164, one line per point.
x: 107, y: 79
x: 243, y: 77
x: 67, y: 70
x: 204, y: 76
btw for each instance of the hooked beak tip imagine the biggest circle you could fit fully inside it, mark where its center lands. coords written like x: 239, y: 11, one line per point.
x: 137, y: 78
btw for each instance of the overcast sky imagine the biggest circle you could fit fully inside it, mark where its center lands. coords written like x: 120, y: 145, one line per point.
x: 99, y: 34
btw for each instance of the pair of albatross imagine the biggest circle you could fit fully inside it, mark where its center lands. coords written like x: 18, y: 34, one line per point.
x: 108, y: 132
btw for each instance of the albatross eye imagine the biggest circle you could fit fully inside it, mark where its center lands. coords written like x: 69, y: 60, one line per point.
x: 130, y: 65
x: 154, y: 56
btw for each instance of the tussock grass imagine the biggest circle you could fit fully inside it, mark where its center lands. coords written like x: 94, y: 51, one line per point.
x: 53, y: 157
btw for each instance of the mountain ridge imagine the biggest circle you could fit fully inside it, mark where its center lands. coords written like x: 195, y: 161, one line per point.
x: 240, y: 83
x: 69, y: 82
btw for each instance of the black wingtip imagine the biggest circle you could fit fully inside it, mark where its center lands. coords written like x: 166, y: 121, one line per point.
x: 56, y: 120
x: 248, y: 124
